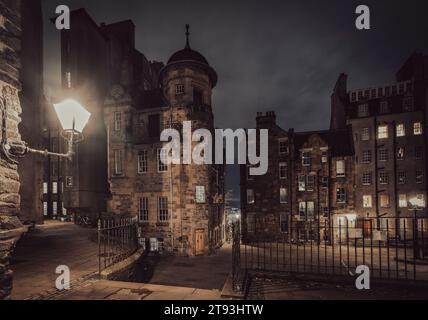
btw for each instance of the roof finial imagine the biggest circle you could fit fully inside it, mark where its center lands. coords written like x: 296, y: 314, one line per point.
x: 187, y: 36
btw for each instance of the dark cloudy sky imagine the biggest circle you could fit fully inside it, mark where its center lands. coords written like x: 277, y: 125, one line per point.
x: 270, y: 55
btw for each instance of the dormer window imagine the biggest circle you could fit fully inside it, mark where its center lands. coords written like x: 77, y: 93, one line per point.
x: 363, y: 110
x: 408, y: 103
x: 384, y: 107
x: 179, y: 89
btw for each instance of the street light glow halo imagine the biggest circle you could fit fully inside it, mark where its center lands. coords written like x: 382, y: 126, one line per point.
x: 72, y: 115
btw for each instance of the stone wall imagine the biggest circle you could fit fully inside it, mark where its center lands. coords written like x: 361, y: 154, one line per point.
x: 10, y: 226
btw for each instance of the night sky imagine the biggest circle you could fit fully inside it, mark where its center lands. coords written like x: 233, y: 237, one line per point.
x: 283, y: 56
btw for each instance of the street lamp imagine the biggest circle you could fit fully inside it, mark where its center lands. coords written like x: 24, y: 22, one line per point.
x: 73, y: 118
x: 416, y: 204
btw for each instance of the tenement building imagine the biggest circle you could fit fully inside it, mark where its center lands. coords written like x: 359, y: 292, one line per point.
x: 119, y: 168
x: 308, y: 187
x: 390, y: 139
x: 368, y: 171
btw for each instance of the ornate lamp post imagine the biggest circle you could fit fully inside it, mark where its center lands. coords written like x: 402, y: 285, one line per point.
x: 73, y: 118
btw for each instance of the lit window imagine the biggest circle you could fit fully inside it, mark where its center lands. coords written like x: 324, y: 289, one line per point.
x: 367, y: 178
x: 143, y: 209
x: 302, y: 209
x: 163, y: 209
x: 54, y: 208
x: 324, y: 157
x: 401, y: 132
x: 365, y: 134
x: 142, y: 162
x: 162, y: 157
x: 402, y: 201
x: 154, y: 245
x: 367, y: 201
x: 383, y: 154
x: 179, y: 89
x: 250, y: 196
x: 283, y: 195
x: 117, y: 162
x: 421, y: 200
x: 400, y: 153
x: 302, y: 183
x: 340, y: 195
x: 54, y: 187
x: 401, y: 177
x: 283, y: 170
x: 384, y: 108
x: 384, y: 200
x: 367, y: 156
x: 306, y: 158
x: 283, y: 146
x: 68, y: 181
x: 417, y: 128
x: 251, y: 222
x: 383, y: 177
x: 45, y: 208
x: 45, y: 187
x: 310, y: 183
x: 117, y: 121
x: 283, y: 222
x: 408, y: 103
x: 419, y: 176
x: 340, y: 168
x: 68, y: 79
x: 200, y: 194
x: 382, y: 132
x: 363, y: 110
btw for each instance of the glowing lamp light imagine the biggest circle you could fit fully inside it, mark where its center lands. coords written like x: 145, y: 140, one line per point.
x: 417, y: 202
x: 71, y: 115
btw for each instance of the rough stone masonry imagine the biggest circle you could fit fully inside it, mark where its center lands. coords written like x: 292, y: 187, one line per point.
x: 10, y: 111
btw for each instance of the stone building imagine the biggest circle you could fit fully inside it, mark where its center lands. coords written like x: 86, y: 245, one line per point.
x: 308, y: 186
x: 180, y: 207
x: 389, y: 134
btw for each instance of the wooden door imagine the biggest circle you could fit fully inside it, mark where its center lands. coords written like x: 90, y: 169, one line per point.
x: 200, y: 242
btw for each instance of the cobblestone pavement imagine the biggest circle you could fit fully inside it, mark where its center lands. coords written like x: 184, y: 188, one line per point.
x: 39, y: 253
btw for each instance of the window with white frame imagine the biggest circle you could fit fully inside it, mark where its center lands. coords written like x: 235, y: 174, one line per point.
x: 283, y: 170
x: 306, y: 158
x: 310, y: 183
x: 383, y: 154
x: 340, y: 195
x: 179, y: 89
x: 117, y: 121
x: 367, y: 156
x: 118, y: 169
x: 400, y: 130
x: 417, y: 128
x: 68, y: 79
x: 302, y: 209
x: 365, y: 134
x: 401, y: 176
x: 45, y: 187
x: 200, y: 194
x: 54, y: 187
x: 45, y: 208
x: 162, y: 156
x: 383, y: 177
x: 283, y: 195
x: 340, y: 168
x: 382, y: 132
x: 142, y: 162
x: 143, y: 209
x: 363, y: 110
x: 154, y: 245
x: 55, y: 208
x: 402, y: 200
x: 251, y: 222
x: 367, y: 201
x: 283, y: 222
x: 163, y: 209
x: 367, y: 178
x: 69, y: 181
x: 419, y: 176
x: 283, y: 146
x: 250, y: 196
x: 302, y: 183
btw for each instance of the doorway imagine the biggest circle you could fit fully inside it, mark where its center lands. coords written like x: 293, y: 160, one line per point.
x: 200, y: 242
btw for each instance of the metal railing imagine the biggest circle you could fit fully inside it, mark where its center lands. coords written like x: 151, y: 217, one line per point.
x: 117, y: 240
x: 391, y: 248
